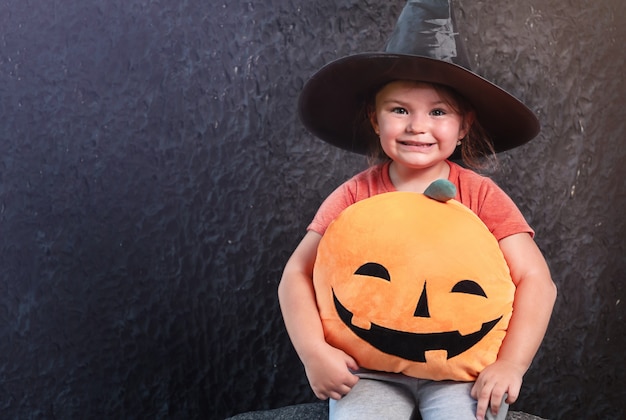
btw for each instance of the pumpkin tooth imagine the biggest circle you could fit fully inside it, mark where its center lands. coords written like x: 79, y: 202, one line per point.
x: 468, y: 329
x: 361, y: 322
x: 436, y: 357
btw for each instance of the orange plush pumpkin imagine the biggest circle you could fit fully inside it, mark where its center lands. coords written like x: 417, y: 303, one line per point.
x: 406, y: 283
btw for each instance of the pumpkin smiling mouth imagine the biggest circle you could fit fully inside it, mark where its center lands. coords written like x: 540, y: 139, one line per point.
x: 413, y: 346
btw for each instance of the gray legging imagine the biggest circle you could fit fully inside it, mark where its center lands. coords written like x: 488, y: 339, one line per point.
x: 381, y: 396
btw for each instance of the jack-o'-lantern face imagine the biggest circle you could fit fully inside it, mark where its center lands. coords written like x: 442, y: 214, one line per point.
x: 408, y: 284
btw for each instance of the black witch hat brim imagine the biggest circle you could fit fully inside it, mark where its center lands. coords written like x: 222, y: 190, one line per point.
x: 332, y: 102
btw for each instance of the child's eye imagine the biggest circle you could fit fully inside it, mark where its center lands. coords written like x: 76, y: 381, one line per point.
x: 437, y: 112
x: 399, y: 110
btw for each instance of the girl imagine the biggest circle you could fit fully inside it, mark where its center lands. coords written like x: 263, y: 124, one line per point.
x: 422, y: 110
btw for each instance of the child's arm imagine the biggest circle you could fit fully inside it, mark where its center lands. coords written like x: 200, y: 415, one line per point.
x: 327, y: 368
x: 534, y: 299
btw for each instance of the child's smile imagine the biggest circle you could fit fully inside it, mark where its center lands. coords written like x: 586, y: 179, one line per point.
x: 415, y: 144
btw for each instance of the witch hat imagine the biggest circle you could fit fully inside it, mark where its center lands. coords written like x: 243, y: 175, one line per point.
x: 424, y: 46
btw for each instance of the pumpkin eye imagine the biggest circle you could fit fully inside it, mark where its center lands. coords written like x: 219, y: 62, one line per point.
x: 373, y: 270
x: 469, y: 287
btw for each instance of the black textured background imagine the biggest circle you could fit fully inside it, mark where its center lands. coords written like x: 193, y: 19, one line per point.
x: 154, y: 180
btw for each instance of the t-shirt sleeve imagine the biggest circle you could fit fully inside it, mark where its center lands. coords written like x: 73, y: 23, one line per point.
x: 372, y: 181
x: 334, y: 204
x: 498, y: 211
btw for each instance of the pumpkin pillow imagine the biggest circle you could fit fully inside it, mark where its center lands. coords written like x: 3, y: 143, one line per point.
x: 407, y: 283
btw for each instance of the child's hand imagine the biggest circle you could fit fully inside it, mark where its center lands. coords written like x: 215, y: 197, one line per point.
x: 328, y: 371
x: 493, y: 383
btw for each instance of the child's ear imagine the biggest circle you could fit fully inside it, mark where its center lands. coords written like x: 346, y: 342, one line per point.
x: 374, y: 122
x: 468, y: 120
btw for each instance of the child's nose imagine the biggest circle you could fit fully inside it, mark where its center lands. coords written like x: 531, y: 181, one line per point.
x: 417, y: 124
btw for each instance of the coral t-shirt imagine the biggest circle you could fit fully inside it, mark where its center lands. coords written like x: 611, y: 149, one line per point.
x: 492, y: 205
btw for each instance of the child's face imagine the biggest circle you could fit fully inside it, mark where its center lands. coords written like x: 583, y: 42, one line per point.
x: 417, y: 125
